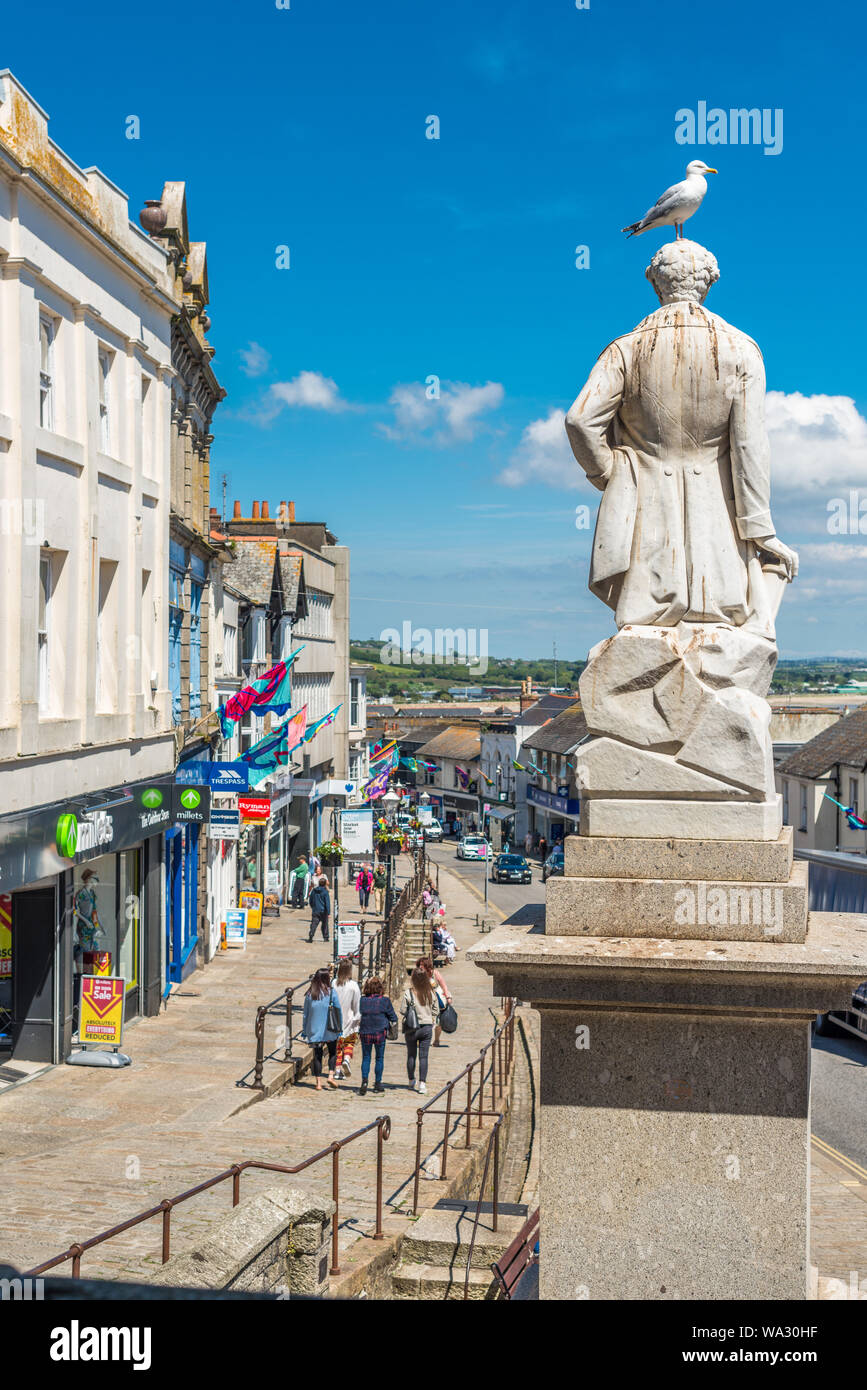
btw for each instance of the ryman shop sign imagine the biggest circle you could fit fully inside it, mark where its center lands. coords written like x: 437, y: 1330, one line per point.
x: 38, y: 844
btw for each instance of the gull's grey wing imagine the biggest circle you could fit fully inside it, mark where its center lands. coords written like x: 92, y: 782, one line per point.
x: 665, y: 202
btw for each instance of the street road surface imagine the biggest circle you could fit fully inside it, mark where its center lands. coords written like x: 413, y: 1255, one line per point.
x: 839, y: 1086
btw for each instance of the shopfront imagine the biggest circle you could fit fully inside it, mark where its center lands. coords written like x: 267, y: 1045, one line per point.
x: 81, y: 895
x: 553, y: 815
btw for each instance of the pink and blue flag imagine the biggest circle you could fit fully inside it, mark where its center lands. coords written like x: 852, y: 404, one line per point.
x: 270, y: 694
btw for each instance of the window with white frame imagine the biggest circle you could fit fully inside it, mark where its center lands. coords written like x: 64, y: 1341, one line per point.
x: 785, y: 801
x: 107, y: 639
x: 43, y: 631
x: 46, y: 371
x: 230, y: 649
x: 853, y: 794
x: 318, y: 621
x: 313, y: 689
x: 146, y: 422
x: 105, y: 358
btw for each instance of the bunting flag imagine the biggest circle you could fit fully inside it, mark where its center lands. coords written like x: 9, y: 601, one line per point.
x: 385, y: 750
x: 411, y: 763
x: 272, y: 751
x: 377, y: 785
x: 384, y: 762
x: 321, y: 724
x: 487, y: 780
x: 296, y: 730
x: 853, y: 821
x: 463, y: 777
x: 519, y: 767
x: 270, y: 694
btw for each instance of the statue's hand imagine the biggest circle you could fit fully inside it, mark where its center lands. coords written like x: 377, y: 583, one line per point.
x: 774, y: 546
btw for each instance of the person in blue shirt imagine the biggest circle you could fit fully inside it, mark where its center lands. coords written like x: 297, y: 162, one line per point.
x: 321, y: 996
x: 377, y: 1012
x: 319, y: 903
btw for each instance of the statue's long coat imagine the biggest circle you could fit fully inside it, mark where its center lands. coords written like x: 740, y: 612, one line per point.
x: 671, y: 425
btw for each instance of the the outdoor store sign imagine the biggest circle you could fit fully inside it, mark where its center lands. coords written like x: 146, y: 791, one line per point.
x: 41, y: 843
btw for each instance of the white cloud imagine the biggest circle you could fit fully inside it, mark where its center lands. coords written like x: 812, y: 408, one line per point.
x: 816, y: 441
x: 255, y: 359
x: 311, y: 390
x: 543, y: 456
x: 452, y: 417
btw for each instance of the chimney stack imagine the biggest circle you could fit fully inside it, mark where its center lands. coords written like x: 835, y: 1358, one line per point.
x: 292, y: 512
x: 265, y: 511
x: 236, y: 512
x: 255, y: 511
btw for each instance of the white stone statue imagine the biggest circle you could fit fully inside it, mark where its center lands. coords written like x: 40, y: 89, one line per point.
x: 670, y: 426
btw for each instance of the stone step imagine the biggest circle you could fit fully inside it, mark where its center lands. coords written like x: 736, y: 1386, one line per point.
x: 436, y: 1282
x: 442, y: 1238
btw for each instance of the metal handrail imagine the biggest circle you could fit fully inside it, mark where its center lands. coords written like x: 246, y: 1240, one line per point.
x: 502, y: 1051
x: 382, y: 1125
x: 493, y: 1142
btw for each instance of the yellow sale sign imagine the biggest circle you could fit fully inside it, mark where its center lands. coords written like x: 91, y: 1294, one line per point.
x: 101, y: 1013
x: 253, y: 902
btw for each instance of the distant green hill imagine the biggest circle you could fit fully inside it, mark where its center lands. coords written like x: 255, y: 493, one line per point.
x: 411, y: 680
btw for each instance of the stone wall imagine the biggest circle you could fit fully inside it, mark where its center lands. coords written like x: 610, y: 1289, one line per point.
x: 278, y: 1243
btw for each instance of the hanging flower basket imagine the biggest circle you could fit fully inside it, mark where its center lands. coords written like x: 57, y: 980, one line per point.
x: 388, y: 841
x: 330, y: 852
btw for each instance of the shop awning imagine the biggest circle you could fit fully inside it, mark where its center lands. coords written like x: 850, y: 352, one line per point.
x: 500, y: 812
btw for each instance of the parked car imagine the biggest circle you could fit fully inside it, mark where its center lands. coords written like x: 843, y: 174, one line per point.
x: 853, y: 1020
x: 553, y: 864
x: 434, y: 831
x: 511, y: 868
x: 473, y: 847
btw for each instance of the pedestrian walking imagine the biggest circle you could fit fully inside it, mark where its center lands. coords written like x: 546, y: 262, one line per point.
x: 420, y: 1010
x: 363, y: 885
x: 349, y: 994
x: 426, y: 900
x: 320, y: 906
x: 438, y: 983
x: 322, y: 1024
x: 377, y: 1013
x: 543, y: 849
x: 300, y: 882
x: 378, y: 888
x: 528, y: 843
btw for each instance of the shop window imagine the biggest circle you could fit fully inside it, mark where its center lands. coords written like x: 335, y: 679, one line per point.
x: 107, y: 915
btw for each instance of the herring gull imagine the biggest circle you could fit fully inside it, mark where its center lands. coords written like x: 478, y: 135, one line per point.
x: 677, y: 203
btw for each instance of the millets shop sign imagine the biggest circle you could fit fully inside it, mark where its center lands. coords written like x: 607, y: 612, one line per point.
x: 45, y: 842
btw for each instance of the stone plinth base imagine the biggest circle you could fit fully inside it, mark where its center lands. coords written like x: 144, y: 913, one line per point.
x: 615, y: 856
x: 679, y: 907
x: 696, y: 820
x: 675, y: 1105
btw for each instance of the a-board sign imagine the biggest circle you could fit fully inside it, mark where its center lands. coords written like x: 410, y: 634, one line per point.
x: 254, y: 903
x: 236, y: 928
x: 100, y: 1016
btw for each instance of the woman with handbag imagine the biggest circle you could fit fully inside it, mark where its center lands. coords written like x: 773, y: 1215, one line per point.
x: 437, y: 983
x: 420, y: 1008
x: 378, y: 1019
x: 349, y: 995
x: 322, y: 1024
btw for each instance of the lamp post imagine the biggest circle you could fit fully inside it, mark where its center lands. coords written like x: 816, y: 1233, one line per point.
x: 389, y: 803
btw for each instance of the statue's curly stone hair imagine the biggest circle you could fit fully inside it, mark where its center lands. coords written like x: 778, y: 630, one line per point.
x: 682, y: 270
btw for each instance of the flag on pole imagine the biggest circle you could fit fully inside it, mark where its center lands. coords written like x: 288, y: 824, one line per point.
x: 411, y: 763
x: 386, y: 750
x: 519, y: 767
x: 272, y: 751
x: 377, y: 786
x: 270, y: 694
x: 321, y: 724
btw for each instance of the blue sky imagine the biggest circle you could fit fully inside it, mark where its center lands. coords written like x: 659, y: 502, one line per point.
x: 455, y: 258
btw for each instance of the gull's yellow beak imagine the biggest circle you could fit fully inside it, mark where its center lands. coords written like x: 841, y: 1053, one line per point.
x: 708, y: 170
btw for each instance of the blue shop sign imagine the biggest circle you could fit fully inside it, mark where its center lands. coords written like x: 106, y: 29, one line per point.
x: 567, y: 806
x: 220, y: 777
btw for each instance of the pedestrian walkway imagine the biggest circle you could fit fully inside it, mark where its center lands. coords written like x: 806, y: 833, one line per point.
x: 84, y: 1149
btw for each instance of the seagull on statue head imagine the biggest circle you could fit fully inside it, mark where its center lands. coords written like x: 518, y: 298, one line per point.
x: 677, y: 203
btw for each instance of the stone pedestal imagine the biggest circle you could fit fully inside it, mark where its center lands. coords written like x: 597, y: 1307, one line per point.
x: 675, y: 1067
